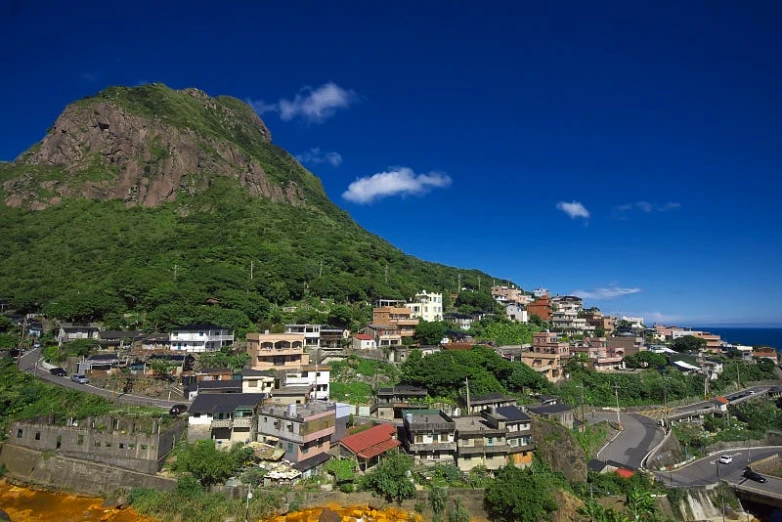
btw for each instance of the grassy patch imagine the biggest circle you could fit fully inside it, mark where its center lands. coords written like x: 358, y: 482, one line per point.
x: 592, y: 438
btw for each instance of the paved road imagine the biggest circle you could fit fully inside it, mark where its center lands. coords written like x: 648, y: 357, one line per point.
x: 29, y: 363
x: 707, y: 405
x: 704, y: 471
x: 639, y: 435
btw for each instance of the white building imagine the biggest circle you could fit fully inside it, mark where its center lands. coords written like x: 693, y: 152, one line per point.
x: 318, y: 377
x: 199, y: 338
x: 311, y: 333
x: 364, y: 342
x: 427, y: 306
x: 540, y: 292
x: 566, y: 303
x: 516, y: 312
x: 635, y: 322
x: 569, y: 321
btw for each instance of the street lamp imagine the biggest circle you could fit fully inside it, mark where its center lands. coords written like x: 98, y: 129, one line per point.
x: 247, y: 506
x: 719, y: 485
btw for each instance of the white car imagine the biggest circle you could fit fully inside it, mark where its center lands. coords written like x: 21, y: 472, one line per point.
x: 81, y: 379
x: 726, y: 459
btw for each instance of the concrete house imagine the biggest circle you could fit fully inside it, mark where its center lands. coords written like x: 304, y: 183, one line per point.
x: 391, y: 402
x: 276, y: 351
x: 200, y: 338
x: 311, y: 333
x: 363, y: 341
x: 72, y: 331
x: 561, y: 413
x: 427, y: 306
x: 430, y: 436
x: 226, y: 418
x: 304, y: 431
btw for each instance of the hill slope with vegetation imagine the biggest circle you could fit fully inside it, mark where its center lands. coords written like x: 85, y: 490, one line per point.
x: 141, y: 205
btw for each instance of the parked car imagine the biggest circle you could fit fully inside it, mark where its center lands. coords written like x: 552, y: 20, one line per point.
x: 58, y: 372
x: 177, y: 409
x: 726, y: 459
x: 81, y: 379
x: 754, y: 475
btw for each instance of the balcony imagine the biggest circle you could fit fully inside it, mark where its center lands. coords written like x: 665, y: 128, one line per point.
x: 432, y: 446
x: 239, y: 422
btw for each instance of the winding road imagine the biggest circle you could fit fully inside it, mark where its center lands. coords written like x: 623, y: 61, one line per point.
x: 708, y: 470
x: 29, y: 363
x: 628, y: 447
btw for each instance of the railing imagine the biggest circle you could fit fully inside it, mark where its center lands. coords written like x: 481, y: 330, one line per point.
x: 238, y: 422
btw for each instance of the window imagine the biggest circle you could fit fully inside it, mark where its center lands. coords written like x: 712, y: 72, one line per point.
x: 491, y: 441
x: 121, y: 445
x: 290, y: 446
x: 19, y: 434
x: 252, y: 384
x: 37, y: 435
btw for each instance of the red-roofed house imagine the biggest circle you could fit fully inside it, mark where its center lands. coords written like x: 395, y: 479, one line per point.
x: 624, y: 473
x: 364, y: 342
x: 369, y: 445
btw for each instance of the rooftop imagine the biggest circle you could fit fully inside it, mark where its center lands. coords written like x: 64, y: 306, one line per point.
x: 298, y: 411
x: 551, y: 409
x: 211, y: 403
x: 372, y: 442
x: 491, y: 398
x: 511, y: 414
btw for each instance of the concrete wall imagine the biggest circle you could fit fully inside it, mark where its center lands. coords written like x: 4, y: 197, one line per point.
x: 109, y: 440
x: 69, y: 474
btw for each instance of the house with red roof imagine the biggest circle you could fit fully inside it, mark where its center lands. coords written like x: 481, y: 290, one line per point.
x: 364, y: 341
x: 369, y: 445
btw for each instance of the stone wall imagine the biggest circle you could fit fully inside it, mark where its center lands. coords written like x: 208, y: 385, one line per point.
x: 63, y: 473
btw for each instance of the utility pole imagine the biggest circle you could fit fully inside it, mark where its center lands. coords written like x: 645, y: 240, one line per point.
x: 252, y: 266
x: 618, y: 419
x: 386, y: 272
x: 459, y: 285
x: 738, y: 376
x: 583, y: 415
x: 175, y: 270
x: 467, y: 384
x: 320, y: 273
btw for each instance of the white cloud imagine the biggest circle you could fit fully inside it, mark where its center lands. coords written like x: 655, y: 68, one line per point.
x: 315, y: 156
x: 610, y: 292
x: 573, y: 209
x: 622, y: 211
x: 398, y: 181
x: 311, y: 105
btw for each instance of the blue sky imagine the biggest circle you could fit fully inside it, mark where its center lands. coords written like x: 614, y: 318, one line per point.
x: 626, y: 150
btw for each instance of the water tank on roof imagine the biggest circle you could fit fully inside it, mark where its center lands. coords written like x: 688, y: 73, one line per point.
x: 291, y: 410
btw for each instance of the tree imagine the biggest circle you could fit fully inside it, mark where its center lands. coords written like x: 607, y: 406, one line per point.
x: 519, y: 495
x: 646, y: 360
x: 340, y: 315
x: 537, y: 321
x: 438, y: 499
x: 430, y: 333
x: 458, y: 513
x: 207, y: 463
x: 390, y: 478
x: 688, y: 343
x: 600, y: 332
x: 162, y: 368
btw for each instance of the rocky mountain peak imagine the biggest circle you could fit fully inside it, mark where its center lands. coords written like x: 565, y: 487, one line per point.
x: 145, y: 145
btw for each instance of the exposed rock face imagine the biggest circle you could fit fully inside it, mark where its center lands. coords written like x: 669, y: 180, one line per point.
x: 109, y: 153
x: 557, y: 448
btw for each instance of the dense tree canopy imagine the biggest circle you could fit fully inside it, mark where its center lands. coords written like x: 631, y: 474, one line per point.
x: 519, y: 495
x: 430, y: 333
x: 390, y: 478
x: 688, y: 343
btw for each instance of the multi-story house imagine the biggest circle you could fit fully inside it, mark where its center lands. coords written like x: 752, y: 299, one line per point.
x: 636, y: 323
x: 540, y: 307
x: 498, y: 436
x: 311, y: 333
x: 429, y: 436
x: 541, y: 292
x: 304, y: 431
x: 399, y: 316
x: 510, y: 295
x: 480, y: 443
x: 391, y: 402
x: 72, y: 331
x: 563, y: 303
x: 600, y: 357
x: 477, y: 404
x: 516, y: 312
x: 276, y: 351
x: 548, y: 356
x: 569, y: 322
x: 561, y: 413
x: 626, y: 345
x: 427, y: 306
x: 463, y: 321
x: 519, y: 434
x: 199, y: 338
x: 317, y: 377
x: 596, y: 318
x: 226, y: 418
x: 256, y: 381
x: 333, y: 338
x: 384, y: 334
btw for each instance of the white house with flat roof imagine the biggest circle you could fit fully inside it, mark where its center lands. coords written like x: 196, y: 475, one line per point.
x: 427, y: 306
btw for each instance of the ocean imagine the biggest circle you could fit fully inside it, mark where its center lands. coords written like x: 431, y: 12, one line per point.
x: 748, y: 336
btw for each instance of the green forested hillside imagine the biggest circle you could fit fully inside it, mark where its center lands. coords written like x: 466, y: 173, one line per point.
x: 87, y: 259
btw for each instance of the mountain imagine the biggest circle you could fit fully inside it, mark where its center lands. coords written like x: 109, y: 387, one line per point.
x: 155, y: 206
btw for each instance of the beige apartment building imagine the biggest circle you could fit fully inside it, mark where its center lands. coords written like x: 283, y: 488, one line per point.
x: 398, y: 316
x: 284, y: 351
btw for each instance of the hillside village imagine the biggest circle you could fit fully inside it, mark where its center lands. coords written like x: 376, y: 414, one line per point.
x: 276, y: 391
